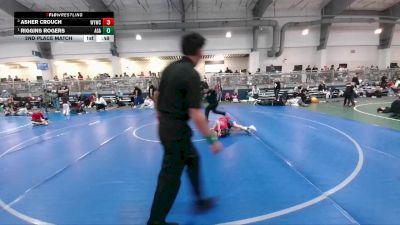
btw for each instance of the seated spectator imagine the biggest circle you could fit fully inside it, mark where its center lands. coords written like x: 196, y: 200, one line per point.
x: 147, y: 104
x: 8, y: 111
x: 38, y: 118
x: 120, y: 103
x: 228, y: 97
x: 235, y: 96
x: 236, y: 71
x: 394, y: 87
x: 297, y: 90
x: 305, y: 97
x: 23, y: 111
x: 374, y: 92
x: 397, y: 84
x: 77, y: 107
x: 125, y: 74
x: 101, y: 104
x: 315, y: 69
x: 133, y: 75
x: 92, y: 100
x: 119, y: 96
x: 80, y: 77
x: 308, y: 69
x: 228, y: 70
x: 391, y: 84
x: 297, y: 101
x: 322, y: 86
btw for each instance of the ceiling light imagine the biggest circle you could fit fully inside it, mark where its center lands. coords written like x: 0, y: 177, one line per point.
x: 378, y: 31
x: 305, y: 31
x: 138, y: 37
x: 228, y: 34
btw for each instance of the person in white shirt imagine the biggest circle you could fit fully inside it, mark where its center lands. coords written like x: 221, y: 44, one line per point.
x: 397, y: 84
x: 148, y: 104
x: 255, y: 92
x: 100, y: 104
x: 22, y: 112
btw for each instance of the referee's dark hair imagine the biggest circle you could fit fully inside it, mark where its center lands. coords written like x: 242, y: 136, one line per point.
x: 191, y: 43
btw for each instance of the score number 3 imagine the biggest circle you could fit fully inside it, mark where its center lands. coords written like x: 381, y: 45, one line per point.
x: 108, y: 21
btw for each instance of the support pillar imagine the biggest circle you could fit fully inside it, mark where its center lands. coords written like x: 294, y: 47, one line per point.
x: 116, y: 65
x: 254, y: 61
x: 384, y: 58
x: 321, y: 58
x: 48, y: 74
x: 256, y: 32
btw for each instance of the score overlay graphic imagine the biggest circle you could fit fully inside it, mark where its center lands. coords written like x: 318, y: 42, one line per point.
x: 64, y: 26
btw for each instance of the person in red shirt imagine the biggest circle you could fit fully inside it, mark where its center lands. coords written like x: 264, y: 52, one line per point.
x: 92, y: 100
x: 38, y: 118
x: 224, y: 125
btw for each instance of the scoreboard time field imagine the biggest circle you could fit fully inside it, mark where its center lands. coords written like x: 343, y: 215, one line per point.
x: 64, y: 26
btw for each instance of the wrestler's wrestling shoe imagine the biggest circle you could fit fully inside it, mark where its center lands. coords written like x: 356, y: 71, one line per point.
x: 250, y: 129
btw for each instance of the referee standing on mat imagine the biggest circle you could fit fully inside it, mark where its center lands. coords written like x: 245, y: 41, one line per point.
x: 178, y: 100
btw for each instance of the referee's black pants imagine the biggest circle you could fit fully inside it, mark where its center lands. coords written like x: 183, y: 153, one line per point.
x: 177, y: 155
x: 276, y: 92
x: 213, y: 107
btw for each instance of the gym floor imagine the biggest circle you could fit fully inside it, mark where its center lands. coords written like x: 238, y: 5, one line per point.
x: 302, y: 166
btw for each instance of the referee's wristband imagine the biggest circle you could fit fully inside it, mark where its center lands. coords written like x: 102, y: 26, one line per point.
x: 211, y: 139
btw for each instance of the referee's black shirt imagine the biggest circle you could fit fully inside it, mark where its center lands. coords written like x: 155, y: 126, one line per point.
x: 212, y: 97
x: 179, y: 91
